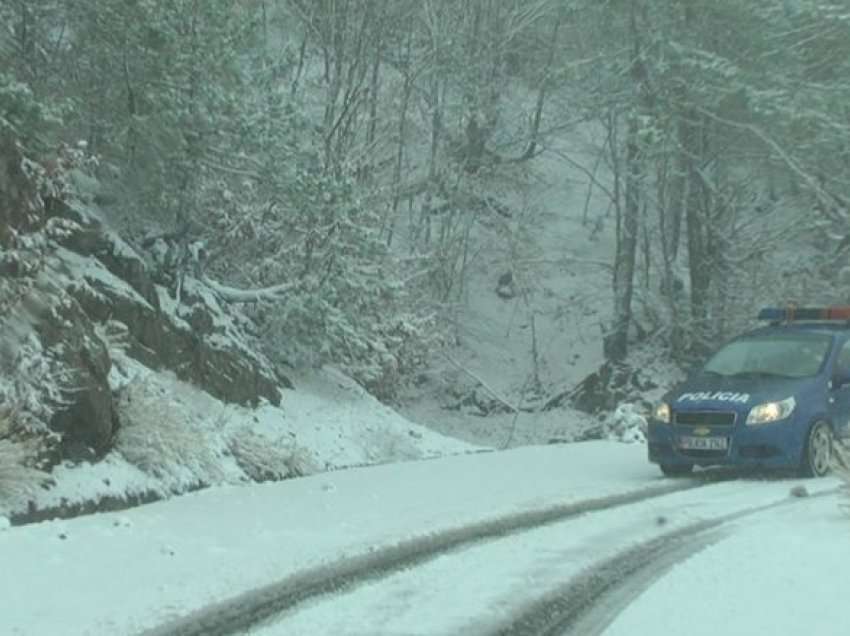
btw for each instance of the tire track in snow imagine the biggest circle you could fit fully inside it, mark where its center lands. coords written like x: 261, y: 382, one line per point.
x: 590, y: 602
x: 246, y: 610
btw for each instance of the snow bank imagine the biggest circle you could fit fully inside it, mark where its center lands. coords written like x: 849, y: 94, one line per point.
x: 175, y: 438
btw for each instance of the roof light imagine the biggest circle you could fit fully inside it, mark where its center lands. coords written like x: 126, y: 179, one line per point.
x: 789, y: 314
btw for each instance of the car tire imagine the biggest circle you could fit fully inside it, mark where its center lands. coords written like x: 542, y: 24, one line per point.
x: 817, y: 452
x: 676, y: 470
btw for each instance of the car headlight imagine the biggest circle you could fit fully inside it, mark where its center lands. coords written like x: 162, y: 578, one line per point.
x: 771, y: 411
x: 662, y: 412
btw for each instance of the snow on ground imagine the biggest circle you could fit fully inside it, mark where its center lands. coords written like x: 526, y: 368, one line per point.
x: 558, y: 244
x: 173, y: 437
x: 118, y: 573
x: 328, y: 422
x: 494, y: 580
x: 121, y: 573
x: 564, y: 266
x: 435, y: 408
x: 498, y: 430
x: 782, y: 572
x: 342, y: 425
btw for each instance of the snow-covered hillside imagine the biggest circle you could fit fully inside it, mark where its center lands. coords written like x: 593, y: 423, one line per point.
x: 116, y: 391
x: 519, y: 345
x: 178, y: 437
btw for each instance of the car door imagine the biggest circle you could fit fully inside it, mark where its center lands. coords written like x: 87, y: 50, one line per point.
x: 839, y: 396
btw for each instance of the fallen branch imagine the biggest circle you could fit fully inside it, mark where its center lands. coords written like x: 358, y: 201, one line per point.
x: 484, y: 385
x: 237, y: 295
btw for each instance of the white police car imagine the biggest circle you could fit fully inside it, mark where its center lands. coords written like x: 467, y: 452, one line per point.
x: 775, y: 397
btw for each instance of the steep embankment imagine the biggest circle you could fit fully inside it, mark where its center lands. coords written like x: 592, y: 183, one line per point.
x: 117, y: 387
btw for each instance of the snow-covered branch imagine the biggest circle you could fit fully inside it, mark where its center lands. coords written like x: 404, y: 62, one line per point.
x: 823, y: 195
x: 565, y: 260
x: 237, y: 295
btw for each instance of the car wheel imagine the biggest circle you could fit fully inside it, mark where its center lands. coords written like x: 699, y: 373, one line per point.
x: 676, y: 470
x: 817, y: 453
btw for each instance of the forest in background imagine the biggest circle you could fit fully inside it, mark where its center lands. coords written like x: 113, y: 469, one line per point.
x: 330, y: 161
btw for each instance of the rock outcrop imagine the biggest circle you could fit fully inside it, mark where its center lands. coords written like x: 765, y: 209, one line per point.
x: 66, y: 283
x: 196, y: 338
x: 86, y: 417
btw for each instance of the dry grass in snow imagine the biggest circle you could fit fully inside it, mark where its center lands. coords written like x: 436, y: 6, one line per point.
x: 263, y: 459
x: 183, y: 437
x: 163, y: 437
x: 19, y: 481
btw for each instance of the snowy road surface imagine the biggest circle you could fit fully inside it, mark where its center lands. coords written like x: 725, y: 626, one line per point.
x: 147, y: 568
x: 516, y: 584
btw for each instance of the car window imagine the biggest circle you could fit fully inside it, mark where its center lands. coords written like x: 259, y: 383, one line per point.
x: 787, y: 355
x: 842, y: 362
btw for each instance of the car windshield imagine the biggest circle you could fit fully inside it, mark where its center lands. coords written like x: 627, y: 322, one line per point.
x: 796, y: 355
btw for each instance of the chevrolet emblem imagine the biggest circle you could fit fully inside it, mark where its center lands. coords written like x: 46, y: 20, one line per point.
x: 702, y: 430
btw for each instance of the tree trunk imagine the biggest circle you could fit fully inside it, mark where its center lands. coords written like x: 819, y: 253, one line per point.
x: 541, y: 92
x: 374, y: 83
x: 615, y: 343
x: 402, y: 135
x: 698, y: 230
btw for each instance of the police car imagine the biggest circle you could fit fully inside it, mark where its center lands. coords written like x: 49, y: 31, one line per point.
x: 775, y: 397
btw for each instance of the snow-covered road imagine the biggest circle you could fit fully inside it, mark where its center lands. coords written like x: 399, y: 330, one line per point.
x: 546, y: 580
x: 148, y: 568
x: 781, y: 572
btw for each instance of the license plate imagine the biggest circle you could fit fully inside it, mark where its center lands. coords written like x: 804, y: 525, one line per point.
x: 703, y: 443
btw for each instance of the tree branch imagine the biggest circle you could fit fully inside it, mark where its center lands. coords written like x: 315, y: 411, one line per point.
x: 823, y: 195
x: 483, y: 384
x: 236, y: 295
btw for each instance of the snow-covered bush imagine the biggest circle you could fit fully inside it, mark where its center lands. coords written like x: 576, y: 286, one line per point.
x: 263, y: 459
x: 346, y: 301
x: 31, y: 385
x: 626, y: 424
x: 29, y: 129
x: 381, y: 444
x: 22, y: 115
